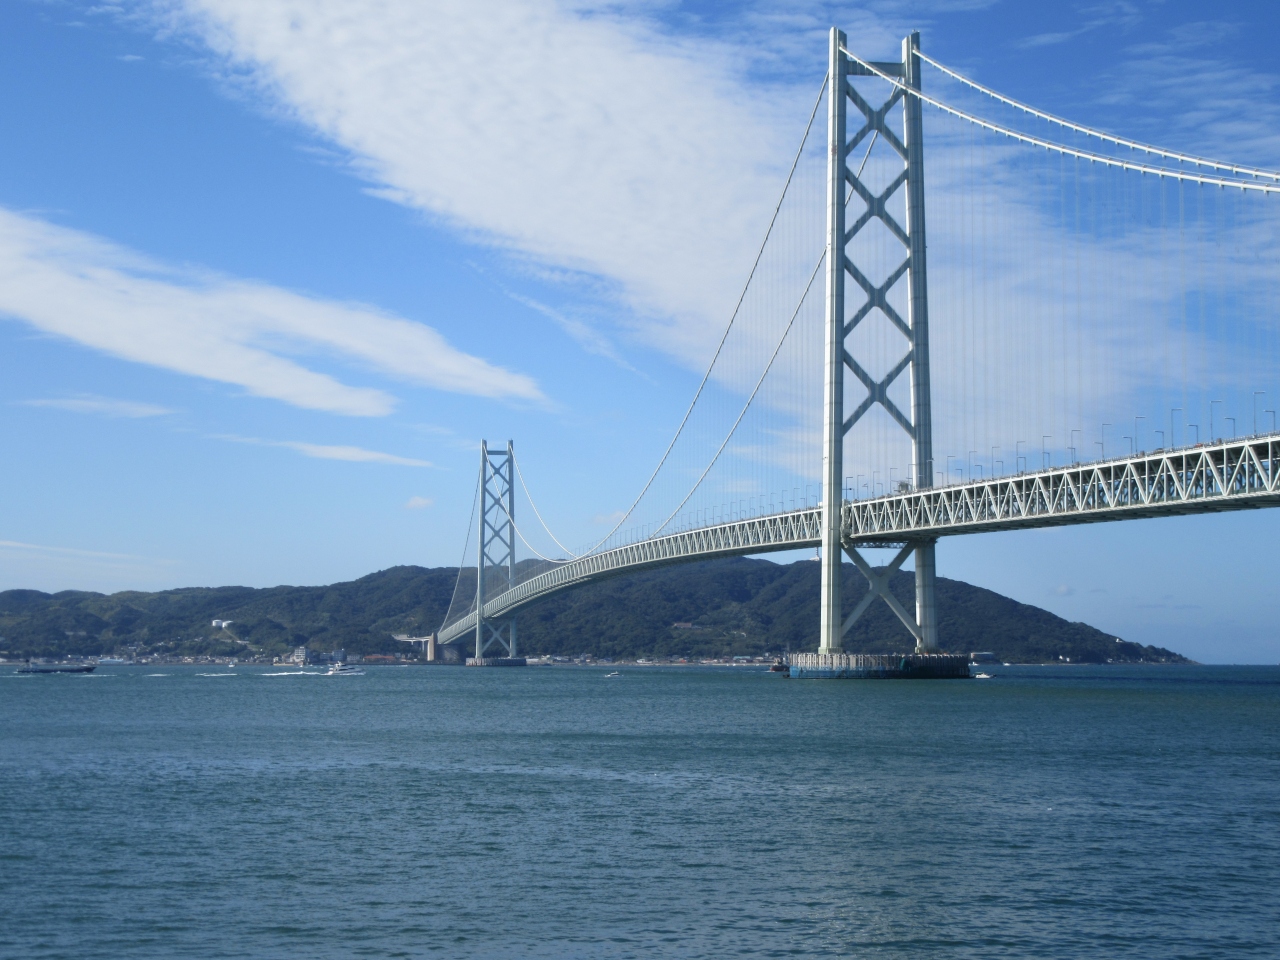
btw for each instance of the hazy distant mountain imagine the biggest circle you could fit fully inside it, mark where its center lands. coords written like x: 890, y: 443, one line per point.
x: 718, y: 607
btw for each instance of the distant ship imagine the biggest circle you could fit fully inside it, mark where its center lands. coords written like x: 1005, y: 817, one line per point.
x: 57, y: 667
x: 111, y: 661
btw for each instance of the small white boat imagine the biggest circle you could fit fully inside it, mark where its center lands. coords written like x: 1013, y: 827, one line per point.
x: 982, y: 676
x: 614, y: 674
x: 344, y: 670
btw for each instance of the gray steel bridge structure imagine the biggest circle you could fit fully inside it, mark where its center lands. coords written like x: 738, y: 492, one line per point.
x: 1236, y: 475
x: 1239, y: 474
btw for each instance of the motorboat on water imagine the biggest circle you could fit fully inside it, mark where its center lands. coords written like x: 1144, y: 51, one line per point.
x: 982, y: 676
x: 614, y: 674
x: 344, y: 670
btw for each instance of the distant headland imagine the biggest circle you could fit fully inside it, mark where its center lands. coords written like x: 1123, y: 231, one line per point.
x: 719, y: 608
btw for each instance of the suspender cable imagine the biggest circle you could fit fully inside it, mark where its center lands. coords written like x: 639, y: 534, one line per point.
x: 707, y: 376
x: 743, y: 413
x: 1089, y: 131
x: 1061, y: 148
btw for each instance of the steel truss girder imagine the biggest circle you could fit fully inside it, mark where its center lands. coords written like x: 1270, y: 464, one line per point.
x: 1224, y: 476
x: 1238, y: 475
x: 781, y: 531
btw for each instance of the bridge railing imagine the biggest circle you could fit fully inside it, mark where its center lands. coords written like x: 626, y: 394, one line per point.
x: 1230, y: 475
x: 1238, y: 474
x: 780, y: 531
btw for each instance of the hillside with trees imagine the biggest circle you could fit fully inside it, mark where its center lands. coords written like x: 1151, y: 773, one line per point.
x: 715, y: 608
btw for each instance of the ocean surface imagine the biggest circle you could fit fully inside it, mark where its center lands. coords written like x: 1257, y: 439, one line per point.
x: 199, y: 812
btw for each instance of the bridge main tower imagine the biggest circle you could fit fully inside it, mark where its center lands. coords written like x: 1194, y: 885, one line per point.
x: 843, y: 186
x: 496, y: 548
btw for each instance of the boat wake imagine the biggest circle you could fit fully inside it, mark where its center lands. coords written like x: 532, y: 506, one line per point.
x: 291, y: 673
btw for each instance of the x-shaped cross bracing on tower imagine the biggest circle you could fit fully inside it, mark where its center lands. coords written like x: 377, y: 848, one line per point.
x: 496, y: 566
x: 843, y: 184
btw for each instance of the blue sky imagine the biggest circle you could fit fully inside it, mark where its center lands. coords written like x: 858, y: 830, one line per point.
x: 270, y: 270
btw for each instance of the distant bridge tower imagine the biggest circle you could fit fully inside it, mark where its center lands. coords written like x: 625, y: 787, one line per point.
x: 496, y: 554
x: 843, y: 185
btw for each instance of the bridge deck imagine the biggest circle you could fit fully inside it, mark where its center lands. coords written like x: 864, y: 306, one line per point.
x: 1240, y: 474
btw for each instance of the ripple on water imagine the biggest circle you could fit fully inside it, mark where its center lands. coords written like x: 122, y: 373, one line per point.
x: 687, y: 813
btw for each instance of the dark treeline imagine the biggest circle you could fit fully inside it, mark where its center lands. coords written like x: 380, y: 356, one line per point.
x: 714, y: 608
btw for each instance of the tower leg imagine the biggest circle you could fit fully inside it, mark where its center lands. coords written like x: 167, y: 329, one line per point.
x: 833, y: 429
x: 926, y: 601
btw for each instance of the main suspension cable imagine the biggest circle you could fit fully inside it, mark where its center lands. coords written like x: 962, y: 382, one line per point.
x: 733, y: 317
x: 1061, y: 148
x: 1089, y: 131
x: 474, y: 500
x: 529, y: 496
x: 803, y: 297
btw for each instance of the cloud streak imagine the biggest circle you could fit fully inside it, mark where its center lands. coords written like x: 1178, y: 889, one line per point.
x: 100, y: 295
x: 68, y: 551
x: 100, y: 406
x: 585, y: 140
x: 320, y: 451
x: 586, y: 336
x: 40, y: 567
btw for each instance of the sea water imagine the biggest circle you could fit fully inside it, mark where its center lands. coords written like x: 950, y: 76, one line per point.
x: 192, y: 812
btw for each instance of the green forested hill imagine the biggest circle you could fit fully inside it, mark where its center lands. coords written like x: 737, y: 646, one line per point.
x: 734, y: 606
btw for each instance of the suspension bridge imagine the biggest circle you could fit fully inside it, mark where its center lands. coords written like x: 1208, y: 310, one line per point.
x: 1082, y: 281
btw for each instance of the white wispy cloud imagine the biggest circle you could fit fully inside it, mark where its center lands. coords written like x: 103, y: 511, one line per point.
x: 67, y: 551
x: 418, y: 503
x: 1234, y: 111
x: 581, y: 138
x: 42, y: 567
x: 103, y: 296
x: 320, y: 451
x: 101, y: 406
x: 586, y: 336
x: 593, y: 142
